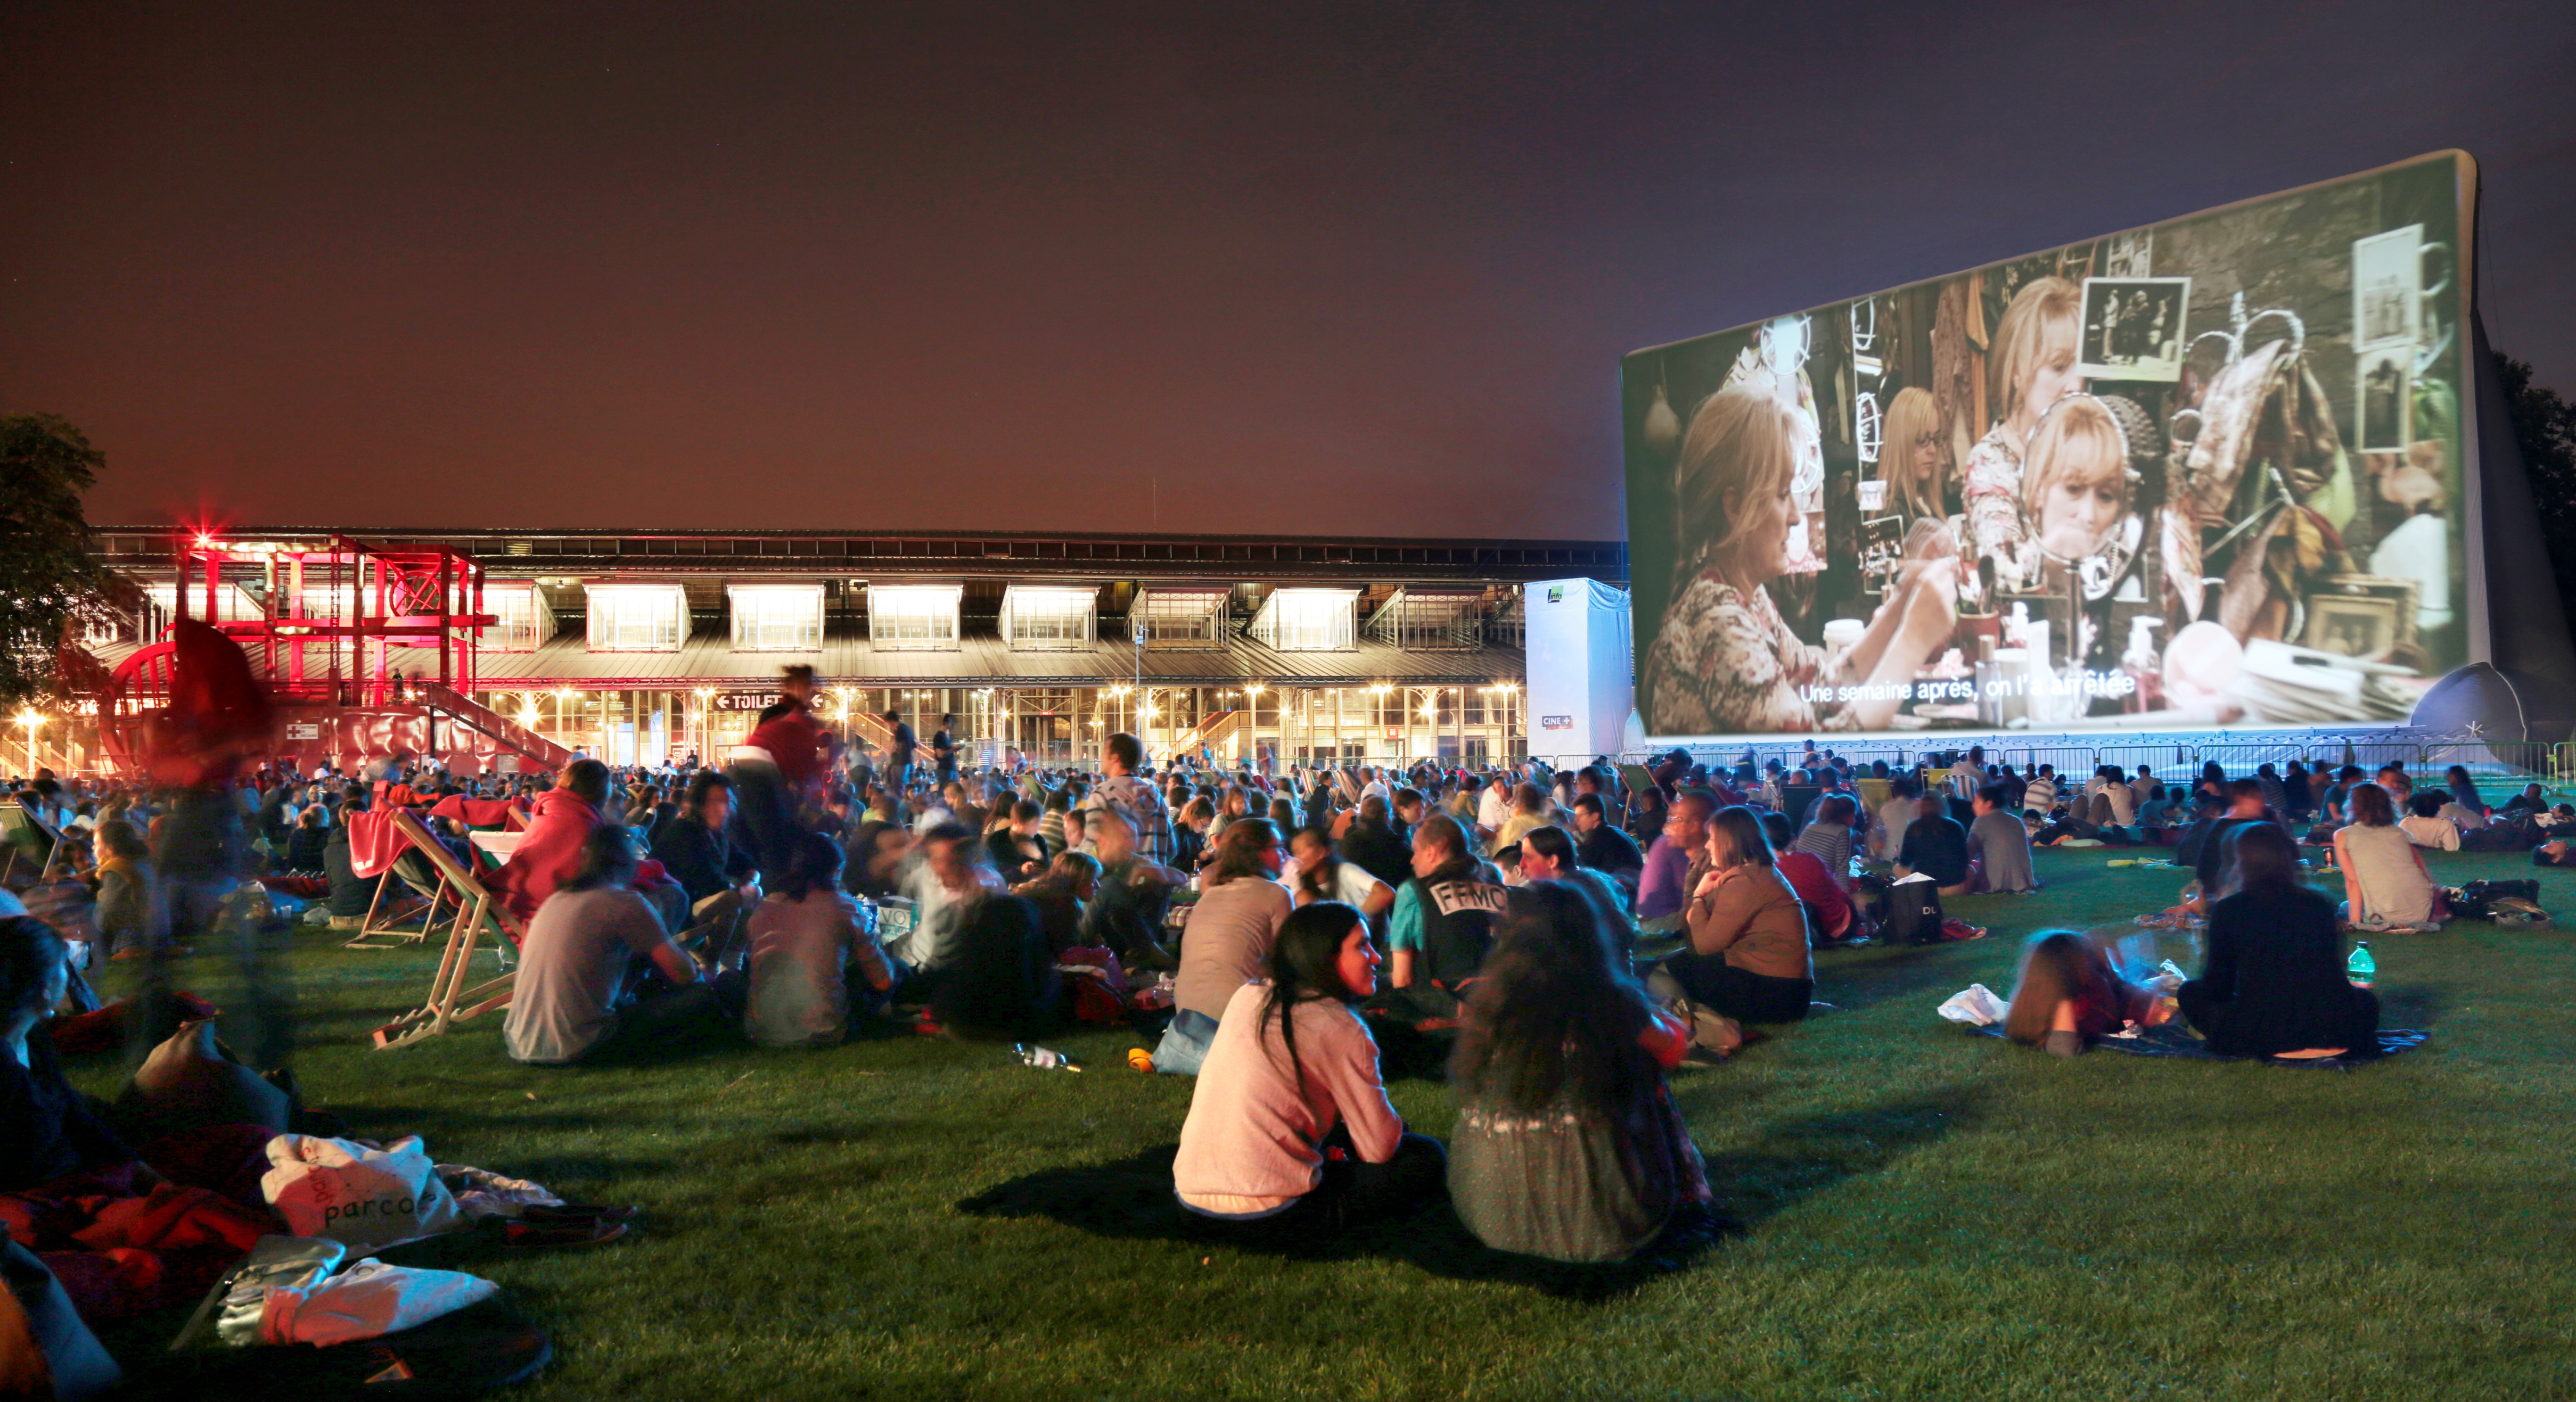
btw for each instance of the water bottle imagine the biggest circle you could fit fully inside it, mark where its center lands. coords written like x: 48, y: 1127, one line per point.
x: 2360, y: 970
x: 1043, y: 1058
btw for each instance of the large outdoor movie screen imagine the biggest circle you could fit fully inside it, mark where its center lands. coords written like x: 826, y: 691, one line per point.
x: 2206, y: 473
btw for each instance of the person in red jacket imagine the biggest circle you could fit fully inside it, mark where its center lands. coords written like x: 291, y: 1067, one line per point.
x: 549, y: 853
x: 777, y: 770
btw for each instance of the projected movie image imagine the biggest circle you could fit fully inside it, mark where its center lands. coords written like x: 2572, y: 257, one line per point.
x: 2206, y: 473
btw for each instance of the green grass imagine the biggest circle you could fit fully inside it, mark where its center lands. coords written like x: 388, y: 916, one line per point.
x: 1929, y: 1213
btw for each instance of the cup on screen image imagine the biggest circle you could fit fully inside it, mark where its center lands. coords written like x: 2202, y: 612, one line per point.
x: 1843, y: 634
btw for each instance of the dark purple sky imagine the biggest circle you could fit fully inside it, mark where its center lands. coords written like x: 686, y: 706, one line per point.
x: 1332, y: 269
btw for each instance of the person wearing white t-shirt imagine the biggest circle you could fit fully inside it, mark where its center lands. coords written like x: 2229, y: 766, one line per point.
x: 2425, y: 826
x: 1494, y: 806
x: 1323, y: 876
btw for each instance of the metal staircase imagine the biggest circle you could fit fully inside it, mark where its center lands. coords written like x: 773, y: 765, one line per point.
x: 464, y: 710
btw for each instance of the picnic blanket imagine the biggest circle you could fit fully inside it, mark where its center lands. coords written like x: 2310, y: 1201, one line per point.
x: 473, y: 812
x: 373, y: 843
x: 2173, y: 1040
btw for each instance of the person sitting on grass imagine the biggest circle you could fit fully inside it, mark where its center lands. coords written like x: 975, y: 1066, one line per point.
x: 1829, y: 835
x: 550, y: 852
x: 1063, y: 894
x: 1568, y: 1145
x: 1832, y: 916
x: 127, y: 1232
x: 1936, y: 846
x: 813, y: 961
x: 2272, y: 983
x: 1442, y: 925
x: 1003, y: 985
x: 2245, y: 805
x: 1322, y: 875
x: 1226, y: 940
x: 2386, y: 886
x: 1604, y: 847
x: 2426, y: 827
x: 131, y: 920
x: 1550, y: 854
x: 2067, y: 993
x: 1289, y: 1124
x: 697, y: 850
x: 1999, y: 845
x: 304, y: 845
x: 1018, y: 853
x: 1748, y: 956
x: 574, y: 999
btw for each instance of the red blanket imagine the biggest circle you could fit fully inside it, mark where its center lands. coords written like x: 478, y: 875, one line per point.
x: 374, y: 843
x: 548, y: 856
x: 473, y: 812
x: 121, y: 1249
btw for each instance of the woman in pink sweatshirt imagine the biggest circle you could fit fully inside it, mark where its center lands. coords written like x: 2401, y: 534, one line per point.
x: 1289, y: 1124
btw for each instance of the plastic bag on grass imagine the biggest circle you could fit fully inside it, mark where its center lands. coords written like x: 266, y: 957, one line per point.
x: 482, y: 1193
x: 366, y: 1301
x: 1976, y: 1005
x: 363, y: 1197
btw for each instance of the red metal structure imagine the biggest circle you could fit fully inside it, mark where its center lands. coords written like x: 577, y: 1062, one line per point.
x: 367, y: 650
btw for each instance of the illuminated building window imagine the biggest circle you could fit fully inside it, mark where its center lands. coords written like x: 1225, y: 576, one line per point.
x: 913, y: 617
x: 777, y: 617
x: 1430, y: 620
x: 637, y: 617
x: 1179, y: 618
x: 1307, y: 620
x: 1049, y: 618
x: 525, y: 621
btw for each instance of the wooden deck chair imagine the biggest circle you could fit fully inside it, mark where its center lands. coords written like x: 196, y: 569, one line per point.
x: 451, y: 999
x: 25, y: 836
x: 382, y: 927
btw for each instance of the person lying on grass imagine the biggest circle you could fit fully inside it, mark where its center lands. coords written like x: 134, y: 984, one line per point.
x: 1568, y: 1145
x: 2273, y: 981
x: 2067, y: 992
x: 813, y: 962
x: 1290, y: 1120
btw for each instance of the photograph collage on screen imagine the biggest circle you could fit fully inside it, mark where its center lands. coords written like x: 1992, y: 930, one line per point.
x: 2206, y: 473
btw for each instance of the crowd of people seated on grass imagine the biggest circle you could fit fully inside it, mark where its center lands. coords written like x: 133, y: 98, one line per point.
x: 1552, y: 942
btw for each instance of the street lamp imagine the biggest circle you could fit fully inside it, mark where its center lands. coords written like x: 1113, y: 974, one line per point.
x: 30, y: 722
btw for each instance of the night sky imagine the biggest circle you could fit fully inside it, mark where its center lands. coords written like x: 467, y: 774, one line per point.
x: 1355, y: 270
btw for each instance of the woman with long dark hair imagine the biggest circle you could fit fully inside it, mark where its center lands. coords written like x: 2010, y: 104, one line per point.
x: 1748, y: 954
x: 1290, y: 1120
x: 1567, y: 1145
x: 813, y: 958
x: 2273, y: 983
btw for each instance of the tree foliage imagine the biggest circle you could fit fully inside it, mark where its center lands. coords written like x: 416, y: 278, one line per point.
x: 51, y: 579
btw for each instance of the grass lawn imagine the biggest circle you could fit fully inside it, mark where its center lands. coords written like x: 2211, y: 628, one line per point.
x: 1929, y: 1213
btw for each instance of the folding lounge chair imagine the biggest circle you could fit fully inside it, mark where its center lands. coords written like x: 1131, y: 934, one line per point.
x: 384, y: 921
x: 27, y: 838
x: 480, y: 912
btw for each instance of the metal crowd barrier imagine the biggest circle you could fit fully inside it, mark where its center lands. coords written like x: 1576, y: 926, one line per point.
x: 2173, y: 756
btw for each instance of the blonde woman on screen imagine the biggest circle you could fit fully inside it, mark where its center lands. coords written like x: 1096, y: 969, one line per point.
x: 1916, y: 458
x: 2031, y: 364
x: 1724, y: 661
